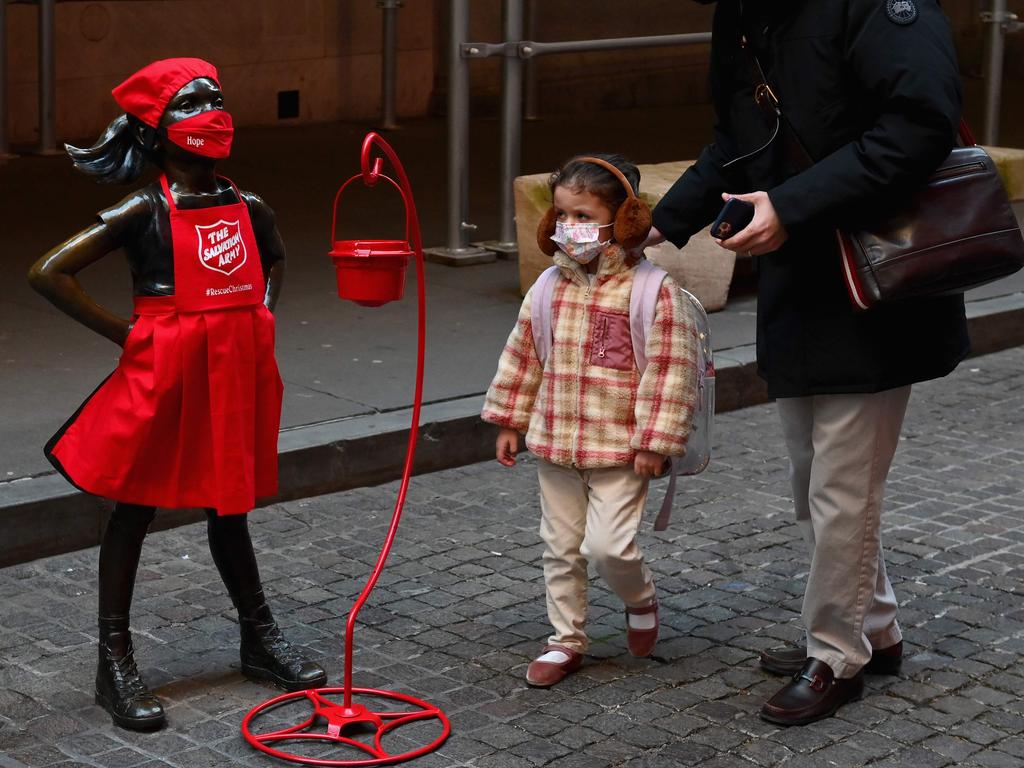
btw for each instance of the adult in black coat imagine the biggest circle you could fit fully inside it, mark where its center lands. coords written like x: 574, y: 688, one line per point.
x: 870, y: 89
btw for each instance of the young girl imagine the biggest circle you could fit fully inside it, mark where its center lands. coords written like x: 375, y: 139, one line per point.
x: 190, y: 416
x: 599, y: 428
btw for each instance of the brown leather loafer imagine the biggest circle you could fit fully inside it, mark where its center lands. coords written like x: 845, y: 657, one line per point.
x: 641, y: 642
x: 789, y: 661
x: 544, y: 674
x: 813, y: 694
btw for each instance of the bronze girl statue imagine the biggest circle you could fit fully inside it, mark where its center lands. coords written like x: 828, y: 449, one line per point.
x: 190, y: 416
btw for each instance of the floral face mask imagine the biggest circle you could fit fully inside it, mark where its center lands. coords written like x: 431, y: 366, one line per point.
x: 580, y: 241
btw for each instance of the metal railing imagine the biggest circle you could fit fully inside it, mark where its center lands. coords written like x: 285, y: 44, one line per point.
x: 515, y: 51
x: 1000, y: 23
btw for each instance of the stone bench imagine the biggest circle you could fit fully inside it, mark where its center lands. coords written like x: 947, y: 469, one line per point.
x: 1010, y: 162
x: 702, y: 267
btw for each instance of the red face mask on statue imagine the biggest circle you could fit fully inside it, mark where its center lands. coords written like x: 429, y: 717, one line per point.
x: 208, y: 134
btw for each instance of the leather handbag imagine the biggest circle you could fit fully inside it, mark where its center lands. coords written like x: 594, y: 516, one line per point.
x: 955, y: 233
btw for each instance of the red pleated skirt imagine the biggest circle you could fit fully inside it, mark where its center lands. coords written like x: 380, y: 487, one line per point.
x: 189, y: 418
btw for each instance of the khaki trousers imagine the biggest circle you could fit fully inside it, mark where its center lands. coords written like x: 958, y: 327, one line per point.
x: 840, y: 450
x: 590, y: 515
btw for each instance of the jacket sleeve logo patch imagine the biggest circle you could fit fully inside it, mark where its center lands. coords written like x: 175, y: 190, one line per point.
x: 901, y: 11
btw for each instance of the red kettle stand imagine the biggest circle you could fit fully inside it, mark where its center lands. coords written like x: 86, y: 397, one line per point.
x: 370, y: 272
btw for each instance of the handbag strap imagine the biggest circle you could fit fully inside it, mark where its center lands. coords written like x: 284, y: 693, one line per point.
x: 767, y: 97
x: 966, y: 134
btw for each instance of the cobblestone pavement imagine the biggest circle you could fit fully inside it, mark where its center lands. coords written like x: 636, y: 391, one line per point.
x: 459, y: 611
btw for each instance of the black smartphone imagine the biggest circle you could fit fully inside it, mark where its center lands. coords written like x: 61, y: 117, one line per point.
x: 735, y: 215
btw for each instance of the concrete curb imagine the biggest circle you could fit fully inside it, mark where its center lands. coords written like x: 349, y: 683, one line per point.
x: 43, y: 516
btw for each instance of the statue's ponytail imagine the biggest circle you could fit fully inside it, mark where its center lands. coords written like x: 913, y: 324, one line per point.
x: 118, y: 157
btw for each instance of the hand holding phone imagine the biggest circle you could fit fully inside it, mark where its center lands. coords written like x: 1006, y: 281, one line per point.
x: 734, y: 217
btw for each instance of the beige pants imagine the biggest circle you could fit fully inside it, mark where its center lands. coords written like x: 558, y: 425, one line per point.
x: 840, y: 449
x: 590, y: 515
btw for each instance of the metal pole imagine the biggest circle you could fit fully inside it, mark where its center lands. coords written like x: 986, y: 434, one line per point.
x: 530, y: 67
x: 1001, y: 23
x: 458, y: 127
x: 47, y: 78
x: 5, y: 147
x: 994, y: 72
x: 458, y: 252
x: 389, y: 56
x: 511, y: 122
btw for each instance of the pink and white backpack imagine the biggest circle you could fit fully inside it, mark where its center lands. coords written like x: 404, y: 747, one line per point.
x: 643, y: 302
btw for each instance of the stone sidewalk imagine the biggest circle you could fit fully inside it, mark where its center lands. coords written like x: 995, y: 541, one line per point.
x: 459, y: 611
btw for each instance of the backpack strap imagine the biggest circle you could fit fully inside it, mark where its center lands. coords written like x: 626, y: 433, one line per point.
x: 643, y: 303
x: 540, y: 313
x: 665, y: 512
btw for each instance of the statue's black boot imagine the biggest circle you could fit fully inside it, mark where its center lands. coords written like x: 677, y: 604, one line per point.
x: 119, y: 687
x: 267, y: 655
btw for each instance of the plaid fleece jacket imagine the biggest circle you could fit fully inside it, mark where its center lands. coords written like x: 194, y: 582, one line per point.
x: 589, y: 407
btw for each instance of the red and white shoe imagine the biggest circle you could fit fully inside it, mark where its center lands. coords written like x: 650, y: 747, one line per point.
x: 641, y: 642
x: 544, y: 674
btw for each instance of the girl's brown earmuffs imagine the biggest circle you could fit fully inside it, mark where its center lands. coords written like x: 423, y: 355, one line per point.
x: 632, y: 220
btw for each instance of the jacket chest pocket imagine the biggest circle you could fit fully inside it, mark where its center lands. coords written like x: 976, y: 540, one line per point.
x: 612, y: 344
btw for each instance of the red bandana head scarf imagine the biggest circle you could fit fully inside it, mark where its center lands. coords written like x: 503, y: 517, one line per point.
x: 145, y: 95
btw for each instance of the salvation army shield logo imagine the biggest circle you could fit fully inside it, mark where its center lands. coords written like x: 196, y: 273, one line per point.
x: 221, y: 247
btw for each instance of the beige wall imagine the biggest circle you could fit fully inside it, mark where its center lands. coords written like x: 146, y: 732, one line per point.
x: 330, y: 51
x: 327, y: 49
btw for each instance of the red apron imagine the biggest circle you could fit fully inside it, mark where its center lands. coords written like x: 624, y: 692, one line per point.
x: 190, y: 416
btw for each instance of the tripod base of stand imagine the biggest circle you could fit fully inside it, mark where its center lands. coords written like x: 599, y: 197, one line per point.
x: 329, y: 720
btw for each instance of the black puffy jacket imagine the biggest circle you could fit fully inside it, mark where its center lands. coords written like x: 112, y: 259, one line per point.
x: 876, y: 101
